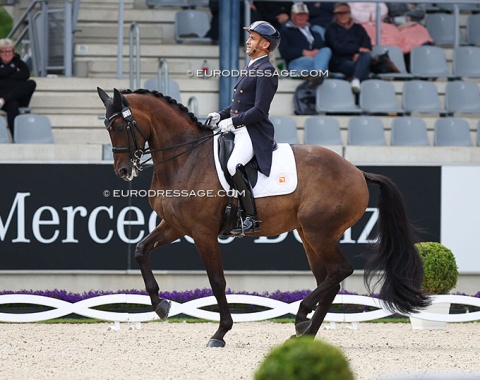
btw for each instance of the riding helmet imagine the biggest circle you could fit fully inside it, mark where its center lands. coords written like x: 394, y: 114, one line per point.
x: 267, y: 31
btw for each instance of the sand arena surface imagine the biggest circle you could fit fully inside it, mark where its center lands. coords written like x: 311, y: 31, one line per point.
x: 177, y: 350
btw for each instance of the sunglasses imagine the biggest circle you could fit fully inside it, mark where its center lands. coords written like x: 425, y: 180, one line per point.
x: 342, y: 13
x: 6, y: 51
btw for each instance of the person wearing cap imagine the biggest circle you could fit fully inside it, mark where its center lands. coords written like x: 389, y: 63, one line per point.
x: 351, y: 47
x: 247, y: 118
x: 16, y: 89
x: 303, y: 49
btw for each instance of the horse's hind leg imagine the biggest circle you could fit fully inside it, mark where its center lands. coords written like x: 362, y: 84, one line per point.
x: 163, y: 234
x: 210, y: 253
x: 327, y: 262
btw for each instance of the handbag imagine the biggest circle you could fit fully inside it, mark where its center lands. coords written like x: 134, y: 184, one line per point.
x: 382, y: 64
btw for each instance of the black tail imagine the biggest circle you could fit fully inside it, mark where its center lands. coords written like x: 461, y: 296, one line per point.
x: 395, y: 258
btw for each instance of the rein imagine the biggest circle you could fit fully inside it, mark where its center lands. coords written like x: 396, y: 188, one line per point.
x: 137, y: 152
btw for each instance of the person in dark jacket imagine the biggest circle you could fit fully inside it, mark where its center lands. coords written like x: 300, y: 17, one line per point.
x: 247, y: 118
x: 303, y: 49
x: 321, y: 15
x: 16, y: 89
x: 351, y: 47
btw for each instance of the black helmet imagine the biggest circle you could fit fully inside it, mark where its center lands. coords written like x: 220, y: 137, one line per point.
x: 267, y: 31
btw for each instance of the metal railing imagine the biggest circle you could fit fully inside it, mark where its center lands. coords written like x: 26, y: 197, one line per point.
x: 134, y: 54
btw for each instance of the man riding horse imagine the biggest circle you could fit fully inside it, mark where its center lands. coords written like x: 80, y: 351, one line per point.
x: 247, y: 118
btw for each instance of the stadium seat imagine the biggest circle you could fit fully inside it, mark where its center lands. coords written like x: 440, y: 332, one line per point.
x: 335, y: 96
x: 322, y: 130
x: 285, y: 129
x: 33, y: 129
x: 409, y: 131
x: 429, y: 62
x: 466, y: 61
x: 441, y: 27
x: 191, y: 26
x: 366, y: 130
x: 378, y: 97
x: 421, y: 97
x: 451, y: 131
x: 478, y: 133
x: 473, y: 29
x: 4, y: 135
x: 173, y: 88
x: 397, y: 57
x: 462, y: 97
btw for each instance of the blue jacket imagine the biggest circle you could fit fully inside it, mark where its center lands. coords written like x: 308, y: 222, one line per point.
x: 293, y: 42
x: 345, y: 42
x: 250, y: 105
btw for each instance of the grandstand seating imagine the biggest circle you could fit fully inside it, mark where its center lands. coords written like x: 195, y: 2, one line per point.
x: 409, y: 131
x: 465, y: 61
x: 397, y: 57
x: 378, y: 97
x: 192, y: 26
x: 335, y: 96
x: 366, y: 130
x: 285, y: 129
x: 429, y: 62
x: 322, y: 130
x: 441, y: 27
x: 451, y: 131
x: 462, y: 97
x: 421, y: 97
x: 33, y: 129
x: 4, y: 134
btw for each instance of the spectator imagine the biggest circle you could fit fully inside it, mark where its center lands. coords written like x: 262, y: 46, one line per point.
x: 351, y: 46
x: 16, y: 89
x: 321, y: 15
x: 303, y: 49
x: 274, y: 12
x: 398, y: 31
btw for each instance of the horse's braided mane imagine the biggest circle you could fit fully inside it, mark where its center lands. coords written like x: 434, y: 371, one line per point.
x: 171, y: 101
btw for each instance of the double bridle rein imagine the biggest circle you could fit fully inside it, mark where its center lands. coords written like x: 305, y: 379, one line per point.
x: 137, y: 151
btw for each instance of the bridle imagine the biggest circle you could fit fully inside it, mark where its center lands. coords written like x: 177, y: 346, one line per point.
x: 136, y: 151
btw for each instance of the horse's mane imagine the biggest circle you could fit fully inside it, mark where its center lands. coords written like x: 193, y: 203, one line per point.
x: 171, y: 101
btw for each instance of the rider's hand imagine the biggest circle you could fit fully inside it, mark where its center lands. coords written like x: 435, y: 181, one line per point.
x: 215, y: 118
x: 226, y: 125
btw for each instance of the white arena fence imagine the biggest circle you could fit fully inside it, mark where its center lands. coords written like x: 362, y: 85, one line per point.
x: 193, y: 308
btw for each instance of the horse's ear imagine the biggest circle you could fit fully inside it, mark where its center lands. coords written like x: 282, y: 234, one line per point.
x: 117, y: 100
x: 103, y: 95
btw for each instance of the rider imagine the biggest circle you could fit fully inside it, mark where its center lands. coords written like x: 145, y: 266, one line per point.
x: 247, y: 117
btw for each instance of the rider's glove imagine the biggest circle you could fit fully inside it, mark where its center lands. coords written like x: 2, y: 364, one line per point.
x: 226, y: 125
x: 214, y: 119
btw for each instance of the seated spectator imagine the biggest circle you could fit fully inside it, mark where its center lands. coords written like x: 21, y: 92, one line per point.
x: 405, y: 35
x: 351, y: 47
x: 274, y: 12
x: 303, y: 49
x: 321, y: 15
x: 16, y: 89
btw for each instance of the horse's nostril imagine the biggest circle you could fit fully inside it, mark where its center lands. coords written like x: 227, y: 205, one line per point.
x: 122, y: 173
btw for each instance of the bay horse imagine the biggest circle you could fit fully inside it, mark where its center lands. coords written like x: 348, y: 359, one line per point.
x: 331, y: 196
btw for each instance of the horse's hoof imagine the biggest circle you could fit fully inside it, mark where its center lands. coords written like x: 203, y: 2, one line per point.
x: 216, y: 343
x: 302, y: 327
x: 163, y: 309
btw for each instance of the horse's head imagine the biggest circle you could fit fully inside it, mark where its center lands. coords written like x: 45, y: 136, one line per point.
x: 128, y: 140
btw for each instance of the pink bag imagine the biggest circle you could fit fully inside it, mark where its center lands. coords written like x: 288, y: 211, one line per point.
x: 414, y: 35
x: 390, y: 36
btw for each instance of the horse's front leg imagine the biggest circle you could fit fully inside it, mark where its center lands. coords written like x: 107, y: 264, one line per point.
x: 163, y: 234
x: 209, y: 250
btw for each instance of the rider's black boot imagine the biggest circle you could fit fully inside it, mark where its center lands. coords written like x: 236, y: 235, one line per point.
x: 245, y: 195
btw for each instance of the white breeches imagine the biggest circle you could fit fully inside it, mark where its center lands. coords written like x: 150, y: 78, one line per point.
x: 242, y: 152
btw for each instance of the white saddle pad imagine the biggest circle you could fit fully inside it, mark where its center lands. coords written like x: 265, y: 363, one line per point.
x: 283, y: 174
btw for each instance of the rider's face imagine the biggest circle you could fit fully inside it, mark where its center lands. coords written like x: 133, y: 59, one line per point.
x: 253, y: 43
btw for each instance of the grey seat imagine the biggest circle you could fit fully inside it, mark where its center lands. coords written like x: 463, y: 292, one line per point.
x: 451, y: 131
x: 192, y: 25
x: 409, y: 131
x: 478, y: 133
x: 33, y: 129
x: 285, y: 129
x: 429, y: 62
x: 396, y: 55
x: 322, y: 130
x: 335, y: 96
x: 366, y: 130
x: 473, y: 29
x: 4, y: 135
x: 465, y: 61
x: 421, y: 97
x: 173, y: 88
x: 378, y: 97
x: 441, y: 27
x: 462, y: 97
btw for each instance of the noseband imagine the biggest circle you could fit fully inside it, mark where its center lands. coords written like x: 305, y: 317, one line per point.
x: 136, y: 151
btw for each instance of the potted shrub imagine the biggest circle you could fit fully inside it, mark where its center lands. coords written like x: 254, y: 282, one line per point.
x: 440, y: 274
x: 304, y: 358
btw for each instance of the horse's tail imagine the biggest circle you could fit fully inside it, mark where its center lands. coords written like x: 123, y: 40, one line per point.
x: 395, y: 258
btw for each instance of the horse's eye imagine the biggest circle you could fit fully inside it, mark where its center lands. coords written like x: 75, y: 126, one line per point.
x: 119, y: 127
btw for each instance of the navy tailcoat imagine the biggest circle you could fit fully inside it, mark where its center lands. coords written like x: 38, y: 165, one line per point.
x: 250, y: 105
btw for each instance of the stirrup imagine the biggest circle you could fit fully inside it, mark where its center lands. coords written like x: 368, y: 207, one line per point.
x: 250, y: 224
